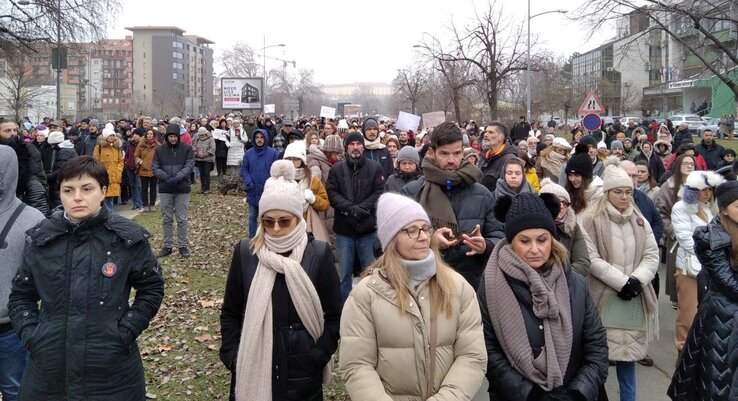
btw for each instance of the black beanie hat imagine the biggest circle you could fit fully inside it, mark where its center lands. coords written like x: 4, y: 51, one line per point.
x: 352, y: 137
x: 588, y: 140
x: 580, y: 164
x: 527, y: 211
x: 726, y: 193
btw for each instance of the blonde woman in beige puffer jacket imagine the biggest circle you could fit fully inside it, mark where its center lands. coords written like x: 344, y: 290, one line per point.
x: 387, y: 350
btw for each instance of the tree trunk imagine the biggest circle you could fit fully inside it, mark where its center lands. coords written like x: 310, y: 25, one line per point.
x: 457, y: 107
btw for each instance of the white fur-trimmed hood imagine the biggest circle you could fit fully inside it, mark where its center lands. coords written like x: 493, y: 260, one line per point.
x: 704, y: 179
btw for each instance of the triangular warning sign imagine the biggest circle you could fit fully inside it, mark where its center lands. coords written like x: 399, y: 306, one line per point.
x: 591, y: 104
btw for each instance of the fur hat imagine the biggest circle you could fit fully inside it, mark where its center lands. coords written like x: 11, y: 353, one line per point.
x: 55, y: 137
x: 697, y: 181
x: 394, y: 212
x: 332, y: 143
x: 526, y: 211
x: 281, y: 192
x: 550, y: 187
x: 468, y: 152
x: 296, y: 149
x: 410, y: 154
x: 615, y: 176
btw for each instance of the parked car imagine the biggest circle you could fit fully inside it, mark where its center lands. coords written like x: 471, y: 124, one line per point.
x: 712, y: 124
x: 694, y: 122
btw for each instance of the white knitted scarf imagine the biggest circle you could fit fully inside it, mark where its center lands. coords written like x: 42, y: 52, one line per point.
x: 254, y: 363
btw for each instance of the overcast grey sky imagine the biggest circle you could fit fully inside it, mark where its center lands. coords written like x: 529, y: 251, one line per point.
x: 344, y: 41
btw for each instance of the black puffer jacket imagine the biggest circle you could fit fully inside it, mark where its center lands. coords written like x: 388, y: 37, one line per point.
x: 587, y: 370
x: 297, y: 360
x: 472, y: 205
x: 708, y: 370
x: 175, y: 162
x: 353, y: 184
x: 82, y: 340
x: 383, y: 157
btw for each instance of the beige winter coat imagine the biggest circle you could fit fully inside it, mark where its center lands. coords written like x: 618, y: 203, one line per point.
x: 384, y: 353
x: 624, y: 345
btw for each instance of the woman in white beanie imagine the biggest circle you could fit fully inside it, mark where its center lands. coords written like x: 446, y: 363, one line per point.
x: 282, y: 303
x: 411, y: 329
x: 625, y: 259
x: 311, y: 186
x: 108, y: 151
x: 552, y: 160
x: 568, y: 232
x: 696, y: 208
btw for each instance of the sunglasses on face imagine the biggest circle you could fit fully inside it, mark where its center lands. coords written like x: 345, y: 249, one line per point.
x: 281, y: 222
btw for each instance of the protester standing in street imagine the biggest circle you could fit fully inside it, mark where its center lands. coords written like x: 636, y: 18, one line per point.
x: 144, y: 161
x: 459, y: 207
x: 529, y: 287
x: 173, y: 163
x: 109, y: 152
x: 236, y: 148
x: 255, y: 168
x: 708, y: 368
x: 204, y: 146
x: 354, y: 186
x: 282, y: 303
x: 625, y: 259
x: 411, y: 328
x: 82, y: 339
x: 16, y: 218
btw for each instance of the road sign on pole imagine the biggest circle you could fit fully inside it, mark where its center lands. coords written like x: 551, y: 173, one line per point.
x: 592, y: 122
x: 591, y: 105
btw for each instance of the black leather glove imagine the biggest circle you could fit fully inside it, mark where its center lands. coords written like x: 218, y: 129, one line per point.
x: 631, y: 289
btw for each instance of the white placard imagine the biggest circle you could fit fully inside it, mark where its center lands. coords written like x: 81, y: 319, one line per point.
x: 433, y: 119
x: 327, y: 112
x: 242, y: 93
x: 269, y: 108
x: 407, y: 122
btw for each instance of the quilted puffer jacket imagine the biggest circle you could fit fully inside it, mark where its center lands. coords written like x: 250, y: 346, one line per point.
x: 708, y: 370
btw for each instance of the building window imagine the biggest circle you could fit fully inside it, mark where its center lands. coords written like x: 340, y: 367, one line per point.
x: 178, y: 55
x: 178, y: 66
x: 177, y: 45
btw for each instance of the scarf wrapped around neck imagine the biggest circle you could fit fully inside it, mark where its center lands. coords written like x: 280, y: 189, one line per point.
x: 373, y: 145
x: 553, y: 162
x: 254, y: 363
x: 432, y: 195
x: 550, y: 300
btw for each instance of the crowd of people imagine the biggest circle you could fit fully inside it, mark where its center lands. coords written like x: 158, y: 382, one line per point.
x: 437, y: 258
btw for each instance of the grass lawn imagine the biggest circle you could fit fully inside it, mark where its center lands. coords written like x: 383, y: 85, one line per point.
x: 180, y: 348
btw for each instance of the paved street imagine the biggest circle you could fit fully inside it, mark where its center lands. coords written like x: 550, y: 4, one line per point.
x: 652, y: 381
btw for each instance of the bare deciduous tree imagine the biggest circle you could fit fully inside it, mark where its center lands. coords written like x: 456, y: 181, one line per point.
x: 239, y: 61
x: 18, y: 90
x: 409, y: 84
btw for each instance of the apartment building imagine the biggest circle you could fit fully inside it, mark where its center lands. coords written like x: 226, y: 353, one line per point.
x: 172, y: 72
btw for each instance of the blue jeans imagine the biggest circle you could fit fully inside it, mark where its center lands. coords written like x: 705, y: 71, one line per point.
x: 253, y: 219
x: 108, y: 203
x: 347, y: 247
x: 134, y: 182
x: 12, y: 363
x: 626, y: 372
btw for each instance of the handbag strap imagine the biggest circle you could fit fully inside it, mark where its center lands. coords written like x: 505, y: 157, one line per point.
x: 432, y: 355
x: 9, y: 224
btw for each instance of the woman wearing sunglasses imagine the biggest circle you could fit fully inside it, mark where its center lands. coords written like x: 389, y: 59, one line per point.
x: 411, y: 329
x: 282, y: 303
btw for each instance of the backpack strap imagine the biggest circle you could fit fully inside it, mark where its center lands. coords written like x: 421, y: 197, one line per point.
x: 9, y: 224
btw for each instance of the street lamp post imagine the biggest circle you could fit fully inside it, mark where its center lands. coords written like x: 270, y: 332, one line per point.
x: 264, y: 58
x: 528, y: 85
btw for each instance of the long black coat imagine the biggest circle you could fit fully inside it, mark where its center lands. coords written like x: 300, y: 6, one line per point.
x: 360, y: 185
x: 708, y: 369
x: 587, y: 370
x: 297, y: 360
x: 82, y: 340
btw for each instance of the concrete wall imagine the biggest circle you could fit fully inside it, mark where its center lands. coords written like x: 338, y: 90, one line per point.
x: 630, y: 58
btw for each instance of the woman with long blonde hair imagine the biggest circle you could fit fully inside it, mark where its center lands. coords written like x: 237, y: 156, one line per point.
x: 411, y: 329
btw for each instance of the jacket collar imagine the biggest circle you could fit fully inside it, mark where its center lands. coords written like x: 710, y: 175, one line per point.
x: 379, y: 283
x: 57, y: 225
x: 716, y: 235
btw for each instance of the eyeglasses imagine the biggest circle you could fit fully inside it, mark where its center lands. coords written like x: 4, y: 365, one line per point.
x: 283, y: 222
x: 626, y: 194
x: 688, y: 164
x: 414, y: 232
